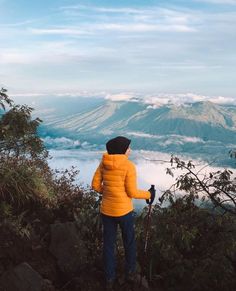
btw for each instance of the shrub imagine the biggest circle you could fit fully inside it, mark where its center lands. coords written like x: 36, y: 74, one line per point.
x: 190, y: 248
x: 22, y: 183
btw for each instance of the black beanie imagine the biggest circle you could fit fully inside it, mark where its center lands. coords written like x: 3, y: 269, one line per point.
x: 118, y: 145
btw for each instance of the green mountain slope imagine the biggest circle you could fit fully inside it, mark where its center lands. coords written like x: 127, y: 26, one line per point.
x: 204, y: 120
x: 201, y: 128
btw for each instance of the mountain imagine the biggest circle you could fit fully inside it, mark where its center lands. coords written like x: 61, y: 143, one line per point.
x: 201, y: 128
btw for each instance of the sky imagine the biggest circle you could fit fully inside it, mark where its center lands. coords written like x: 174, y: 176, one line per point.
x: 158, y: 47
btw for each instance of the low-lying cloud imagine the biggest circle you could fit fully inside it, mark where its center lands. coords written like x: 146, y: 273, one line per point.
x: 120, y: 97
x: 151, y: 167
x: 156, y: 100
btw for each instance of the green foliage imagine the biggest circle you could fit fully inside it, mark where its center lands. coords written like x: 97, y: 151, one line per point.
x: 18, y: 131
x: 190, y: 248
x: 5, y: 210
x: 24, y: 173
x: 219, y: 187
x: 74, y: 203
x: 4, y: 99
x: 18, y: 134
x: 22, y: 182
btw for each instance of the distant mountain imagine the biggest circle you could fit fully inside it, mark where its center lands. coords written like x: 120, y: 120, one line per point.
x: 201, y: 128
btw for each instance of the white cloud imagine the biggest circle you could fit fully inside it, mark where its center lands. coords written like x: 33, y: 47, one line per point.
x: 120, y: 97
x: 169, y: 139
x: 28, y: 94
x: 179, y: 139
x: 153, y: 101
x: 17, y: 24
x: 154, y: 172
x: 65, y: 31
x: 129, y: 19
x: 185, y: 66
x: 48, y: 53
x: 14, y: 57
x: 130, y: 27
x: 141, y: 134
x: 136, y: 48
x: 223, y: 2
x: 156, y: 100
x: 118, y: 27
x: 102, y: 9
x: 151, y: 166
x: 223, y: 100
x: 72, y: 94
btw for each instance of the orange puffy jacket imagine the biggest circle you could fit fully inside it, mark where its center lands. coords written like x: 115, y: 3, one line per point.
x: 115, y: 179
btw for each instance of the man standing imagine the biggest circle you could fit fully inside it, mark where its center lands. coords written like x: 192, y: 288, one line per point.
x: 115, y: 179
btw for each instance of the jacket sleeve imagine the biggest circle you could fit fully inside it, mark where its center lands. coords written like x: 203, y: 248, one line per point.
x: 131, y: 185
x: 97, y: 180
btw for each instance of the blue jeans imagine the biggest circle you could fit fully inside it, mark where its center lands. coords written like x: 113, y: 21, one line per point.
x: 110, y: 224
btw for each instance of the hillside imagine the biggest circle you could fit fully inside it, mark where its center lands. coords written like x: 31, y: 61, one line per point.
x: 201, y: 128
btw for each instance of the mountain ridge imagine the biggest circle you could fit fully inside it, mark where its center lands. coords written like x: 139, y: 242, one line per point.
x: 126, y: 115
x: 200, y: 129
x: 119, y: 115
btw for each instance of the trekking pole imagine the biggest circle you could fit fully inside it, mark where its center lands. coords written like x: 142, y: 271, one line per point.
x: 146, y: 239
x: 148, y: 224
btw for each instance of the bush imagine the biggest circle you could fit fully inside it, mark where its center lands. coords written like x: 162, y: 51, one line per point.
x: 22, y: 183
x: 190, y: 248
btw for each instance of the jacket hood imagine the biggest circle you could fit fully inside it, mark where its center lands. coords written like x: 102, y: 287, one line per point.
x: 113, y: 161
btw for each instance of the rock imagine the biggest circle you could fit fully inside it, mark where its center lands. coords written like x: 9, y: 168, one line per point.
x: 68, y: 247
x: 47, y: 285
x: 144, y: 283
x: 1, y: 269
x: 22, y: 278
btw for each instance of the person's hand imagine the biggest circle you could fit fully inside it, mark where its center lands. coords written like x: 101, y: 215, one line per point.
x: 153, y: 194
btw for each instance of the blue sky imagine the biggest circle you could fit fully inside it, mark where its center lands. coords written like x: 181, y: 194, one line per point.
x: 158, y: 47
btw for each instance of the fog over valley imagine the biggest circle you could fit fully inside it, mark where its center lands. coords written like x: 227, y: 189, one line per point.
x: 151, y: 167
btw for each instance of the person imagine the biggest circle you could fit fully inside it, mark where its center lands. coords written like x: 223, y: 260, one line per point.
x: 115, y: 178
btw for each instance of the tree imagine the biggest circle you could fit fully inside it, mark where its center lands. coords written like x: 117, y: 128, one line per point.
x: 219, y: 186
x: 24, y: 170
x: 4, y: 99
x: 18, y: 131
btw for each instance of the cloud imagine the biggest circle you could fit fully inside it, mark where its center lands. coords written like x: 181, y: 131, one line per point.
x: 17, y: 24
x: 129, y: 19
x: 102, y: 9
x: 129, y: 27
x: 14, y: 57
x: 120, y: 97
x: 223, y: 2
x: 153, y: 101
x: 161, y: 47
x: 223, y: 100
x: 158, y: 99
x: 110, y: 27
x: 142, y: 134
x: 185, y: 66
x: 72, y: 94
x: 168, y: 139
x: 33, y: 94
x: 47, y: 53
x: 24, y: 58
x: 65, y: 31
x: 151, y: 166
x: 154, y: 172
